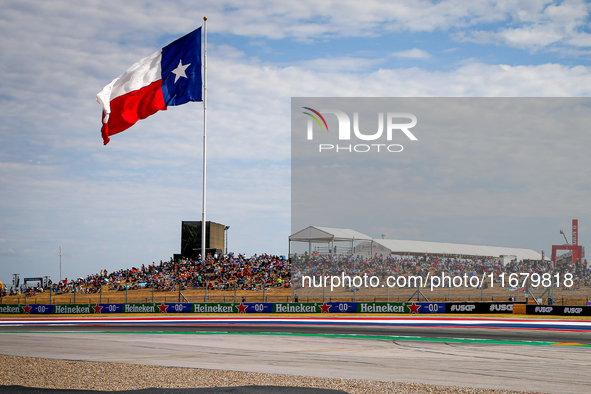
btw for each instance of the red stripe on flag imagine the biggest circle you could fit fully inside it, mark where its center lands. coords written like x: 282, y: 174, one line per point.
x: 126, y: 110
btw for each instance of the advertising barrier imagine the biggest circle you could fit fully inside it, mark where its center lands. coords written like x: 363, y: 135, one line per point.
x: 479, y: 307
x: 133, y: 308
x: 230, y: 307
x: 254, y: 307
x: 301, y: 307
x: 426, y: 307
x: 11, y: 309
x: 382, y: 307
x: 558, y: 310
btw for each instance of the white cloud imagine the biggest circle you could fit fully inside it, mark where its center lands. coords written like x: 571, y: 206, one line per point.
x: 414, y: 53
x: 539, y: 27
x: 112, y: 20
x: 339, y: 64
x: 7, y: 252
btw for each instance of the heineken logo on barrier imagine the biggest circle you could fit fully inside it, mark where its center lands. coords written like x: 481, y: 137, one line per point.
x: 139, y: 308
x: 381, y: 308
x: 71, y: 309
x: 213, y: 308
x: 295, y: 308
x: 10, y: 309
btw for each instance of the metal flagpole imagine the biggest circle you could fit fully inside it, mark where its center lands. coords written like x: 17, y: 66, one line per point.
x: 203, y: 233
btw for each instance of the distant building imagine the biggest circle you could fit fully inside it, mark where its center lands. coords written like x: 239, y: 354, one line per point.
x: 191, y: 238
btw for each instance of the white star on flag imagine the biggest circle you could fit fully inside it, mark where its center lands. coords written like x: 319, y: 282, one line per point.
x: 179, y: 71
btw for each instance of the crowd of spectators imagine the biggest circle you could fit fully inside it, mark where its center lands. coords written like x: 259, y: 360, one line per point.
x: 229, y: 272
x: 29, y: 291
x: 422, y: 265
x: 221, y: 272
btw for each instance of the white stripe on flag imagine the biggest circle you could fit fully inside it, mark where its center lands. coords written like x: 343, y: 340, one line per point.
x: 141, y: 74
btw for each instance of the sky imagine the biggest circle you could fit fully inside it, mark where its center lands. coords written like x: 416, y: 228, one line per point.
x: 121, y: 205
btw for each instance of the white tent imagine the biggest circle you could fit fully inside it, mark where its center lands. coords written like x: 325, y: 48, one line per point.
x: 328, y: 235
x: 369, y: 246
x: 392, y: 246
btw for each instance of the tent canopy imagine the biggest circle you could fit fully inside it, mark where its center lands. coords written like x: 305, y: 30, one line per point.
x: 317, y: 234
x: 439, y: 248
x: 328, y: 234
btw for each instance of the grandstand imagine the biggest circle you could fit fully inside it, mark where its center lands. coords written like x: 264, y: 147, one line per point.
x: 330, y: 251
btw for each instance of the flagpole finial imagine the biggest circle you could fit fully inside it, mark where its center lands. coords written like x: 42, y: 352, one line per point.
x: 204, y: 18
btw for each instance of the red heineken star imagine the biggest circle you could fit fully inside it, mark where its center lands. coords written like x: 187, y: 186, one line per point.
x: 414, y: 308
x: 27, y: 308
x: 97, y: 308
x: 325, y: 307
x: 242, y: 308
x: 162, y: 308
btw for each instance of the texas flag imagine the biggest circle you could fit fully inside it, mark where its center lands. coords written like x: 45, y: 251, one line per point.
x: 168, y: 77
